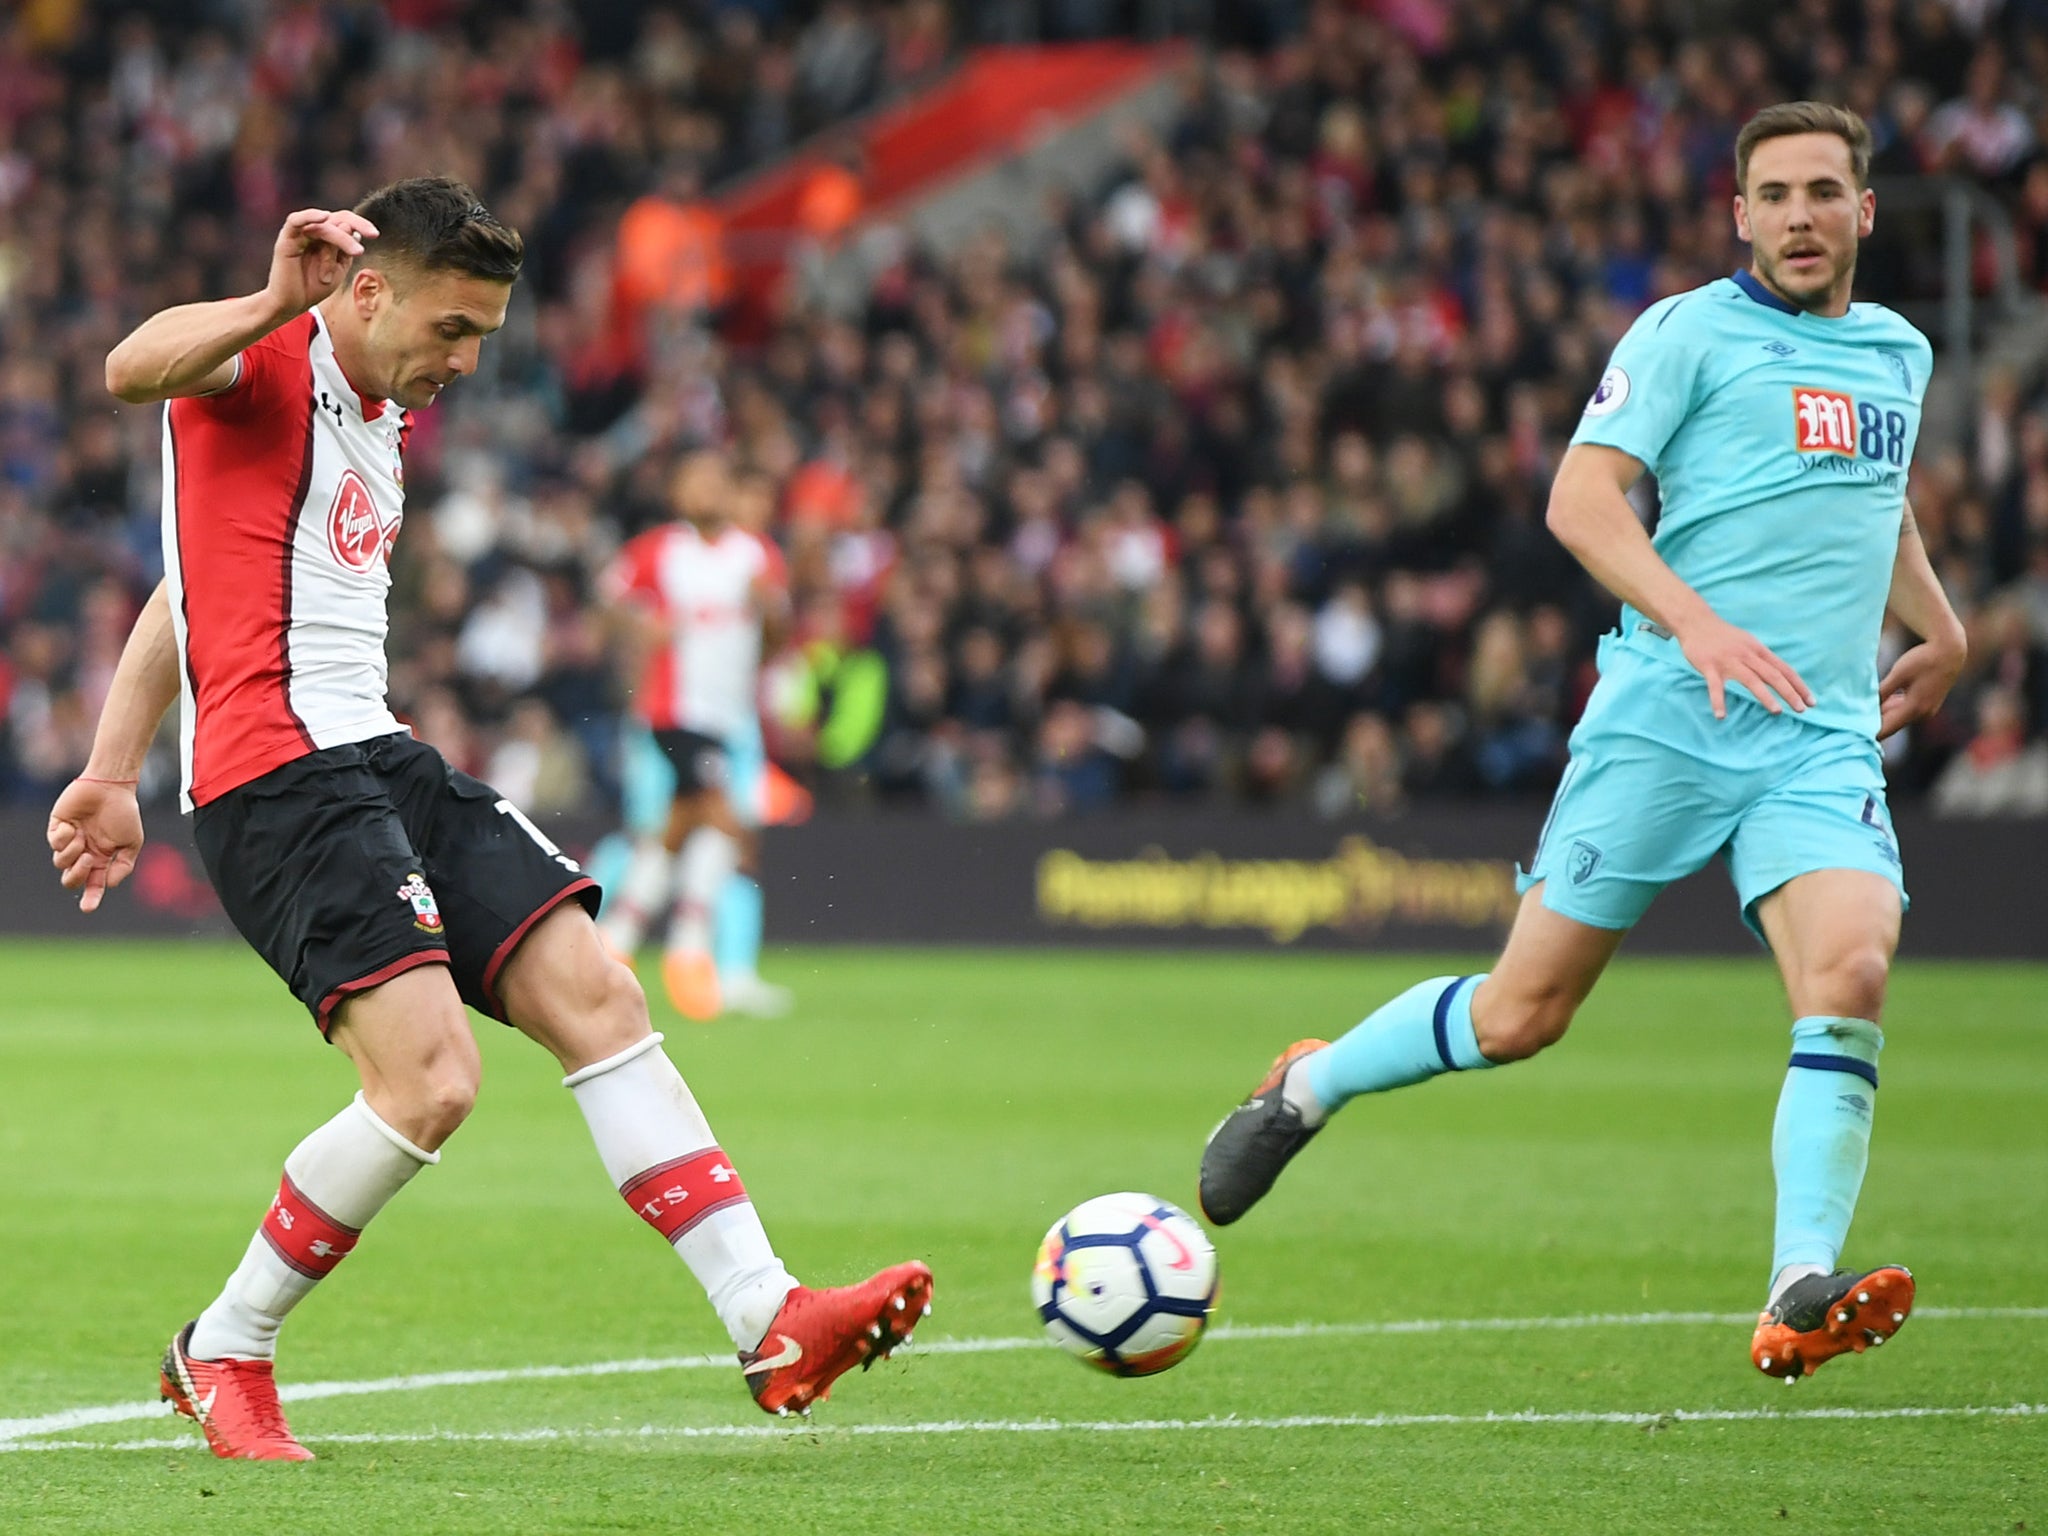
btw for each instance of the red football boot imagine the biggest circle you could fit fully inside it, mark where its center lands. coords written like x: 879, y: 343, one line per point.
x: 233, y: 1401
x: 820, y: 1335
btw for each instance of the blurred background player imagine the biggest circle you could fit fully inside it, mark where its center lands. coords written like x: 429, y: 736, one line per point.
x: 760, y: 795
x: 1779, y: 419
x: 701, y: 599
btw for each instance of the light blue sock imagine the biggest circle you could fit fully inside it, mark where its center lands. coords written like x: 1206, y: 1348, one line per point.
x: 607, y: 863
x: 1821, y: 1140
x: 1425, y: 1031
x: 736, y: 927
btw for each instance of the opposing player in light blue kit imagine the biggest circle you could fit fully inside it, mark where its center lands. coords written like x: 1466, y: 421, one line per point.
x: 1738, y: 713
x: 647, y: 783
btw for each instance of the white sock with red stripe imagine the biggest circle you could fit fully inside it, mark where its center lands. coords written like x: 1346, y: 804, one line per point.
x: 657, y: 1148
x: 707, y: 862
x: 334, y: 1182
x: 642, y: 894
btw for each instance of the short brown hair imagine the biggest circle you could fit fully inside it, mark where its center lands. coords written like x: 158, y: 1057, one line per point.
x: 437, y: 224
x: 1790, y: 117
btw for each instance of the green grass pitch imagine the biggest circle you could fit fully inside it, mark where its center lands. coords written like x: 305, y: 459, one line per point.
x: 950, y: 1105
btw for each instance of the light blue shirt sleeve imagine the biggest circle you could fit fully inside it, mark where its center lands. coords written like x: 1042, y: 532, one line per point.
x: 1649, y: 386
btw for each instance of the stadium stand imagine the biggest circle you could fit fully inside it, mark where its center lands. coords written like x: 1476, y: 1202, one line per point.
x: 1231, y: 485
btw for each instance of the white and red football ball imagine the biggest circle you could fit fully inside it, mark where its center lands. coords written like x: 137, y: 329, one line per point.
x: 1126, y: 1283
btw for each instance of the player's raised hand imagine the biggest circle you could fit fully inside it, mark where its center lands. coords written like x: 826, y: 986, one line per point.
x: 1917, y: 683
x: 1724, y: 654
x: 313, y: 253
x: 95, y: 832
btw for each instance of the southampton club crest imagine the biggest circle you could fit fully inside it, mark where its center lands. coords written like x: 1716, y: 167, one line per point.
x: 426, y: 915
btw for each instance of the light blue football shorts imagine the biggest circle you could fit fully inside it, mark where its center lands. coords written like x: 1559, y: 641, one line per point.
x: 647, y: 779
x: 1657, y: 786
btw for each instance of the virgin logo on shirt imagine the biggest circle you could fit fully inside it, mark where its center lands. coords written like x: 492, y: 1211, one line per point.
x: 356, y: 532
x: 713, y: 615
x: 1824, y: 421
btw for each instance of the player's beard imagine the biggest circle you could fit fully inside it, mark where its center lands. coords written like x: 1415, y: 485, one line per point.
x: 1841, y: 278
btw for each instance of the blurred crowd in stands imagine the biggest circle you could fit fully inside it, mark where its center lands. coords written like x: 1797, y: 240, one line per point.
x: 1229, y: 487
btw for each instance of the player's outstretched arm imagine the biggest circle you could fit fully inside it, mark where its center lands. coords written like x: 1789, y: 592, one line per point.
x: 191, y: 349
x: 1592, y: 518
x: 95, y: 827
x: 1921, y: 678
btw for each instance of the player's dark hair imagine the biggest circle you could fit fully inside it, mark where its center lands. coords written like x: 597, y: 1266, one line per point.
x: 437, y: 224
x: 1790, y: 117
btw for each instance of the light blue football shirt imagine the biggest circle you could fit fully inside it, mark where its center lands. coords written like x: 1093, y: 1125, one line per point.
x: 1780, y: 441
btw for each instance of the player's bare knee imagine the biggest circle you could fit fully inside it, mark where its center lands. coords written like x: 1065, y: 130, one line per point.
x: 619, y: 1017
x: 442, y: 1103
x: 1851, y: 984
x: 1517, y: 1026
x: 445, y: 1088
x: 427, y: 1098
x: 594, y: 1013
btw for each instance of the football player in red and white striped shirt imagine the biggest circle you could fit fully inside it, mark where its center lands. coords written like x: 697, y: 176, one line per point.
x: 704, y: 598
x: 386, y: 887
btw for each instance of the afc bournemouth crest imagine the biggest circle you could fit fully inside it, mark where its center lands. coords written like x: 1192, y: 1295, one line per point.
x: 426, y: 916
x: 1585, y: 858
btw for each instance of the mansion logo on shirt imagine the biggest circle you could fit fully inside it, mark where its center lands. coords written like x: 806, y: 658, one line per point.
x: 1826, y: 421
x: 1831, y: 429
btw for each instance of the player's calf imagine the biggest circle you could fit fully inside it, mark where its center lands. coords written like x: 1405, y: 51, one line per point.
x: 658, y: 1149
x: 334, y: 1183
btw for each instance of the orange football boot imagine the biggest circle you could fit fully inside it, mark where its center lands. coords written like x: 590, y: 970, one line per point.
x: 691, y: 978
x: 1823, y: 1316
x: 1246, y: 1152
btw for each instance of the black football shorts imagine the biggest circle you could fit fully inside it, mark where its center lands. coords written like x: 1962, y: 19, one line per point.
x: 699, y: 760
x: 352, y: 864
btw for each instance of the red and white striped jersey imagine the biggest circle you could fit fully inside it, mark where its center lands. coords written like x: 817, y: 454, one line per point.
x: 282, y: 495
x: 706, y: 676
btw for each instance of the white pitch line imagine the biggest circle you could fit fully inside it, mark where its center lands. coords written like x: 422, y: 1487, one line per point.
x: 800, y: 1431
x: 301, y: 1392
